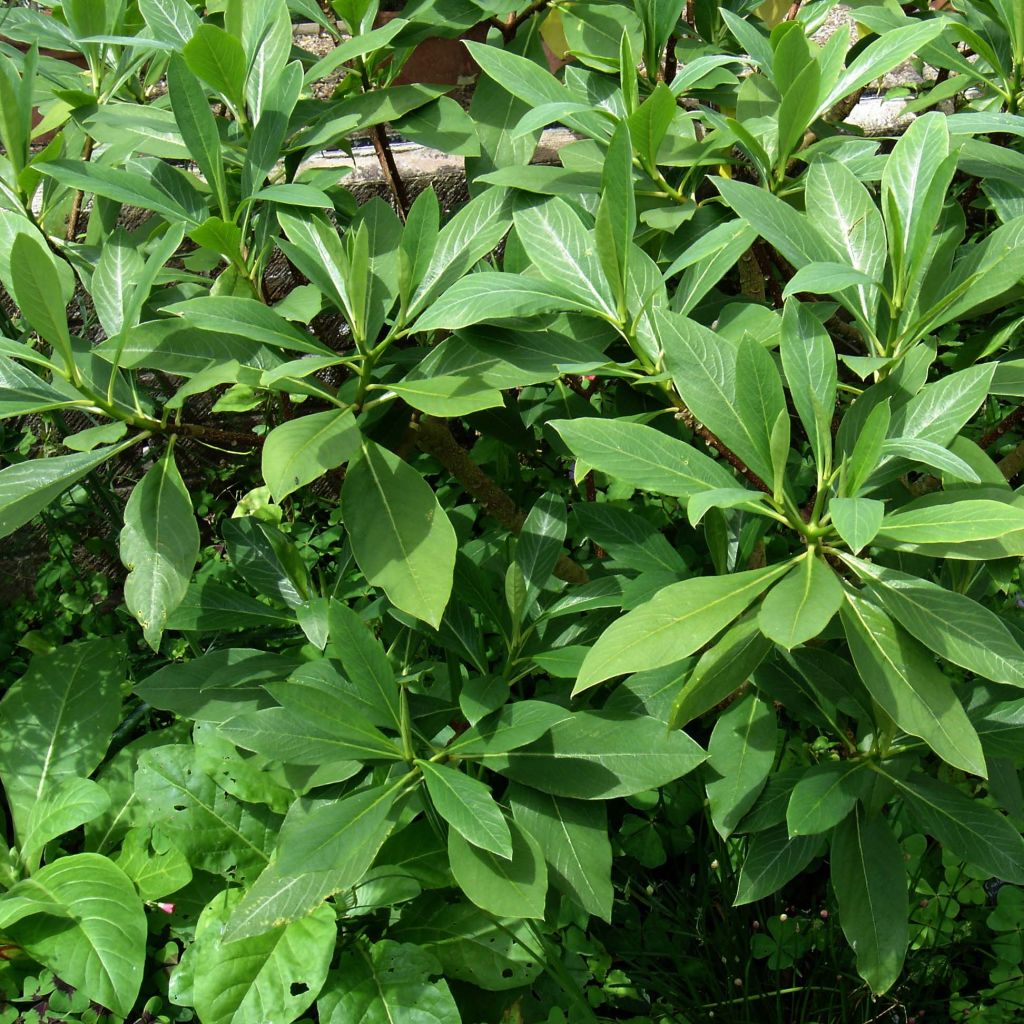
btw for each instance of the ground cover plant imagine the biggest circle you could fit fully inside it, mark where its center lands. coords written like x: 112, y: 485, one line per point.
x: 598, y: 599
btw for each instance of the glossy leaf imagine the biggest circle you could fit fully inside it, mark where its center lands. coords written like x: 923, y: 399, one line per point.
x: 401, y: 537
x: 870, y: 880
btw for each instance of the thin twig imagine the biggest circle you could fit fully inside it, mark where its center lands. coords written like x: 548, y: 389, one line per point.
x: 1006, y: 424
x: 76, y: 203
x: 389, y: 169
x: 434, y: 438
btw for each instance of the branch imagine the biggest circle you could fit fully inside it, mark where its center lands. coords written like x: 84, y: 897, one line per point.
x: 1006, y: 424
x: 434, y: 438
x: 389, y: 169
x: 509, y: 28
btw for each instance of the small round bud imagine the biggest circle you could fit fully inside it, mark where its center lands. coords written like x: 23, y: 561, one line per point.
x: 714, y: 865
x: 783, y: 918
x: 823, y: 914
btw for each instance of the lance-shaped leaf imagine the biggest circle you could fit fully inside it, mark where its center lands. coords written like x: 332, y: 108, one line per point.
x: 721, y: 670
x: 856, y: 520
x: 644, y: 457
x: 824, y: 796
x: 573, y: 835
x: 739, y: 409
x: 597, y: 755
x: 809, y: 362
x: 678, y: 620
x: 338, y: 836
x: 969, y: 828
x: 301, y: 450
x: 773, y: 858
x: 159, y: 547
x: 741, y: 752
x: 870, y: 880
x: 198, y: 127
x: 953, y: 625
x: 493, y: 296
x: 468, y: 807
x: 400, y: 535
x: 365, y: 664
x: 907, y: 684
x: 38, y: 293
x: 562, y: 251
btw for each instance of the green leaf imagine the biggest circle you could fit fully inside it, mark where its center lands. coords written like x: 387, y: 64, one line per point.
x: 247, y: 318
x: 267, y: 560
x: 217, y: 685
x: 773, y: 858
x: 597, y: 755
x: 809, y: 362
x: 870, y: 881
x: 79, y: 683
x: 210, y: 606
x: 70, y: 803
x: 678, y: 620
x: 952, y: 524
x: 447, y: 396
x: 721, y: 670
x: 799, y: 607
x: 159, y: 546
x: 824, y: 796
x: 844, y: 213
x: 468, y: 807
x: 114, y: 280
x: 514, y: 887
x: 909, y: 203
x: 796, y: 111
x: 23, y: 391
x: 218, y: 59
x: 777, y: 222
x: 643, y: 456
x: 562, y: 252
x: 540, y: 543
x: 126, y: 186
x: 616, y: 215
x: 469, y: 236
x: 103, y: 952
x: 365, y: 663
x: 198, y: 127
x: 301, y: 450
x: 903, y: 678
x: 953, y: 625
x: 312, y: 726
x: 494, y: 296
x: 442, y: 125
x: 170, y: 21
x: 824, y: 279
x: 969, y: 828
x: 932, y: 455
x: 885, y: 53
x: 215, y: 832
x: 401, y: 537
x: 154, y: 864
x: 574, y: 837
x: 706, y: 369
x: 741, y: 752
x: 867, y: 450
x: 469, y: 943
x: 273, y: 976
x: 857, y: 520
x: 389, y: 984
x: 38, y: 293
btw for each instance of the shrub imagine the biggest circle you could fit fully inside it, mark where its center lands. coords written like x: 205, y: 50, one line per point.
x: 509, y: 590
